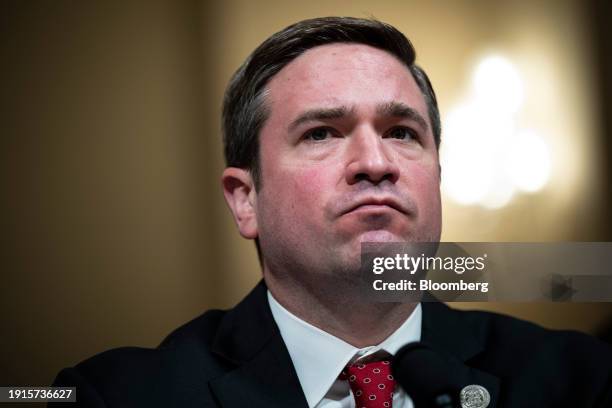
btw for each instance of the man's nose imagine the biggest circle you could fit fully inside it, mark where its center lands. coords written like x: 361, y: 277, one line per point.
x: 370, y: 159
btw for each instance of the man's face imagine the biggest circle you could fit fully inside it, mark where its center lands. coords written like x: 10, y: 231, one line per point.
x: 347, y: 156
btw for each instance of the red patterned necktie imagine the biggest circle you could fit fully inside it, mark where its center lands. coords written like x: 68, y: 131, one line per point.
x: 372, y: 383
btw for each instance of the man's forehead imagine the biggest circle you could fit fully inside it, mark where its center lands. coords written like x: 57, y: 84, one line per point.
x: 339, y: 74
x: 330, y: 55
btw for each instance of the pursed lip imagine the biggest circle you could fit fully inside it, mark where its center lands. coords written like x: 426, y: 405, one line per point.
x: 377, y: 201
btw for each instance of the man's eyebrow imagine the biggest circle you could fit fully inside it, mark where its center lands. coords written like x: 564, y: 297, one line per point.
x: 320, y: 114
x: 401, y: 110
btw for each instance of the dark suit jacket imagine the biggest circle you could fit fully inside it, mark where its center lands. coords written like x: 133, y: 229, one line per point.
x: 238, y: 359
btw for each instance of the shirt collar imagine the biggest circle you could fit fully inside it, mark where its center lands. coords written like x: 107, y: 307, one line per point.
x: 319, y: 357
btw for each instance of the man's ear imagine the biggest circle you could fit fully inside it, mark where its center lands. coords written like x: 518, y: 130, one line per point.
x: 240, y: 195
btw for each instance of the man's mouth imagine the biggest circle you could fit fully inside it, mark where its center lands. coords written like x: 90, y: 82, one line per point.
x: 373, y: 204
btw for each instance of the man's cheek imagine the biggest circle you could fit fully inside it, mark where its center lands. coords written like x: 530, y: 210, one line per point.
x: 308, y: 184
x: 424, y: 179
x: 425, y: 187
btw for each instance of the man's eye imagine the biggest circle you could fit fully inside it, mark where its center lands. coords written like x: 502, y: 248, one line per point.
x: 317, y: 134
x: 402, y: 133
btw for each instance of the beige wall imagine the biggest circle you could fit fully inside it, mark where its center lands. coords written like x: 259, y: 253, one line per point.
x: 113, y: 218
x: 107, y: 158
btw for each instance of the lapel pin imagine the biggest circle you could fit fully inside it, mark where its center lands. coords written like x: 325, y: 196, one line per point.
x: 474, y: 396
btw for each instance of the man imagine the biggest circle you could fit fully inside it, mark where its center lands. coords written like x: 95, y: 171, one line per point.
x: 331, y: 139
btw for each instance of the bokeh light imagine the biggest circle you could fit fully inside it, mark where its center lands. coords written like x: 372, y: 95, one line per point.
x: 488, y: 154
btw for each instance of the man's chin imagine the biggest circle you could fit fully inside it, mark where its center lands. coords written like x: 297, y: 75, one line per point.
x: 381, y: 236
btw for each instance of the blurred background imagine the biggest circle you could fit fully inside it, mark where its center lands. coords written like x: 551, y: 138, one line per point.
x: 114, y: 226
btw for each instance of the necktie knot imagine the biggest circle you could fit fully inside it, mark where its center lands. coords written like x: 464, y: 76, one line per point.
x: 372, y: 383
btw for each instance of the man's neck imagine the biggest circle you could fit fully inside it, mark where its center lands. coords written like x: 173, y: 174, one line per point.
x: 342, y: 314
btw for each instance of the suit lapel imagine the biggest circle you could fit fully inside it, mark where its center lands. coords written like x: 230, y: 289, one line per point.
x: 449, y: 332
x: 261, y: 373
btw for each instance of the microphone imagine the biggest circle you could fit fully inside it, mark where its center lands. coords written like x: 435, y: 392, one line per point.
x: 431, y: 379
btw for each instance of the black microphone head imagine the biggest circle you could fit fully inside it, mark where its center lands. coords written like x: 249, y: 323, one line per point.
x: 431, y: 379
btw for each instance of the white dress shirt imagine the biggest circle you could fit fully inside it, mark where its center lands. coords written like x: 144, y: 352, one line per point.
x: 319, y: 357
